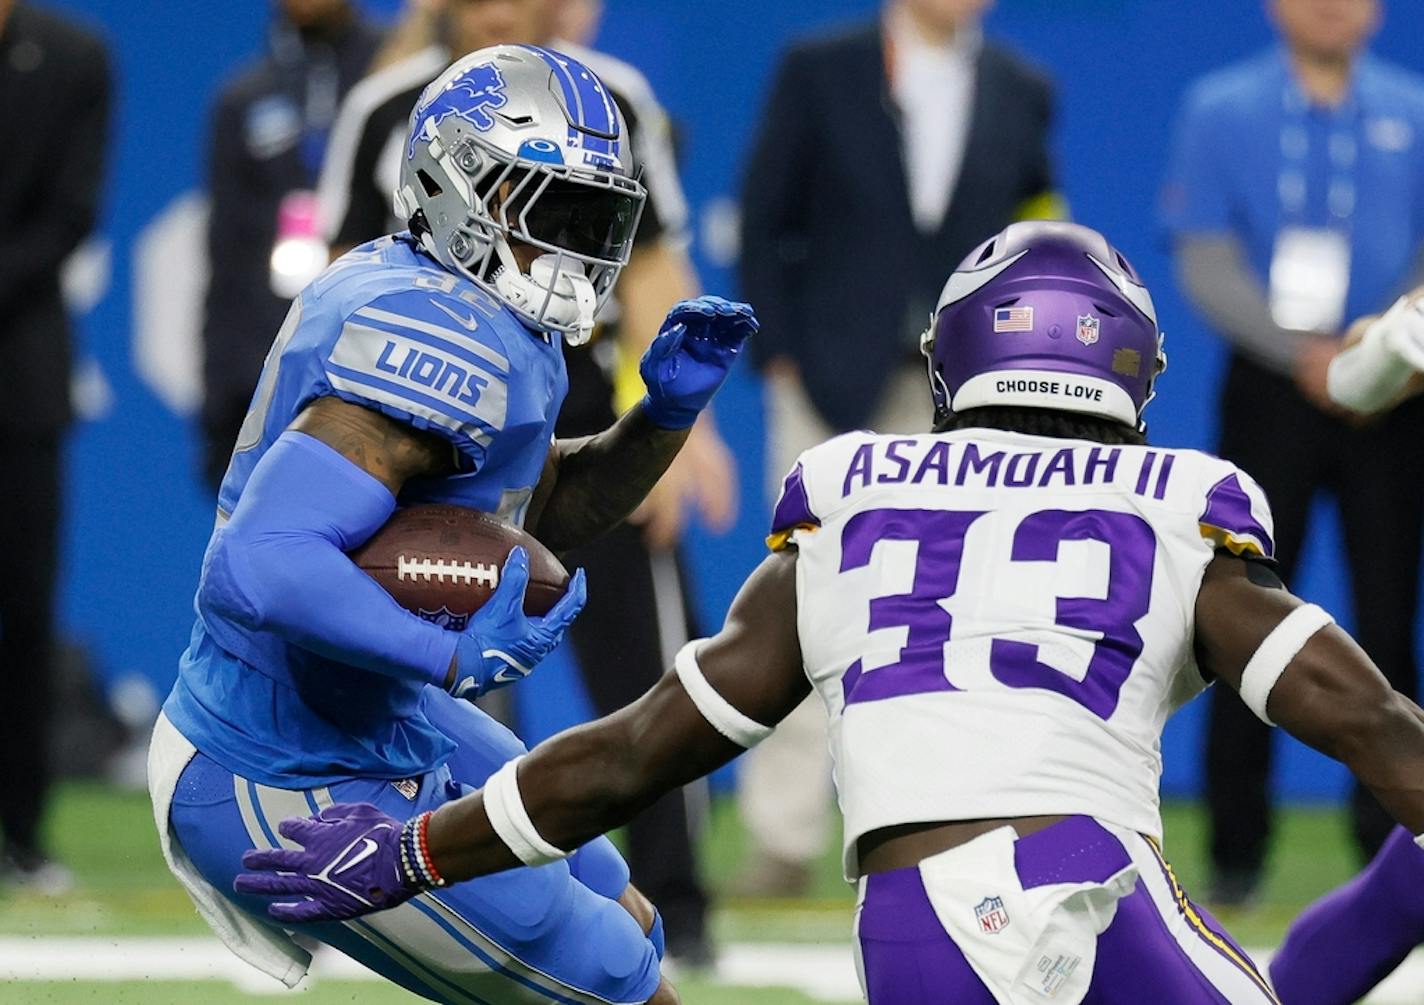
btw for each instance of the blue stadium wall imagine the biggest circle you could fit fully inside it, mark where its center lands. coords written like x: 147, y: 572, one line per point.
x: 138, y: 517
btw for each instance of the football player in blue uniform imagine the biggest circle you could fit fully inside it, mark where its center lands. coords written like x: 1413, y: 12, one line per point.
x: 427, y: 367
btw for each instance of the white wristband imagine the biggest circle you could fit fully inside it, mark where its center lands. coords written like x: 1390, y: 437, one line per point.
x: 741, y: 730
x: 1275, y: 652
x: 511, y: 820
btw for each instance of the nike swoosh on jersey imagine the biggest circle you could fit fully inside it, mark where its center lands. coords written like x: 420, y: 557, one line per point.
x: 465, y: 321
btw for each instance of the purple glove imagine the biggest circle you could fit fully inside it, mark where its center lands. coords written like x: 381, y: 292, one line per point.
x: 354, y: 860
x: 691, y: 357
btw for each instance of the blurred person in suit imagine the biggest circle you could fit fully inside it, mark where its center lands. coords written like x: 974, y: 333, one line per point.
x: 925, y: 138
x: 641, y: 614
x: 1295, y: 201
x: 269, y: 132
x: 55, y: 92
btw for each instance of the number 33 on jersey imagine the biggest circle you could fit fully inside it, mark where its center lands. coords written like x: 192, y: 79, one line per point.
x: 1038, y: 595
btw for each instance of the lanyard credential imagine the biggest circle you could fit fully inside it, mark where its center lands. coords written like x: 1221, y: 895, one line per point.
x: 1292, y: 186
x: 1310, y: 267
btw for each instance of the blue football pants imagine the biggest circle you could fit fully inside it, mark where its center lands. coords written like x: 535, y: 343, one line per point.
x: 551, y: 934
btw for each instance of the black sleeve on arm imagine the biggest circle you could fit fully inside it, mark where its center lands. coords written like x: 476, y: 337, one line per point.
x: 774, y: 195
x: 71, y: 204
x: 368, y: 210
x: 592, y: 778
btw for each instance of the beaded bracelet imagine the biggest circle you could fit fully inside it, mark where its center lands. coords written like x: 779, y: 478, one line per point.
x: 416, y: 865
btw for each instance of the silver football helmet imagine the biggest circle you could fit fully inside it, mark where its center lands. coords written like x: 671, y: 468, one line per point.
x: 524, y: 144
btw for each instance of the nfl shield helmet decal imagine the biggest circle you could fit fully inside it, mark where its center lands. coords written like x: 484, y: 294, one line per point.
x: 991, y: 915
x: 1088, y: 329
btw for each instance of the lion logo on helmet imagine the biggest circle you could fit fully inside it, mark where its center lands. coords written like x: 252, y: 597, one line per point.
x: 469, y: 94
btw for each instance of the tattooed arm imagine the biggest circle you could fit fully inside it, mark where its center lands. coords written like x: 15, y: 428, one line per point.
x: 591, y: 485
x: 389, y: 451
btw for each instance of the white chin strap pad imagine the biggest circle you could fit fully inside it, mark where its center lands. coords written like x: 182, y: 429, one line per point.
x: 574, y: 300
x: 556, y: 292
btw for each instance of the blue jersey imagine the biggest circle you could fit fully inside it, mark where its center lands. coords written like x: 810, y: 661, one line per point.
x: 387, y: 328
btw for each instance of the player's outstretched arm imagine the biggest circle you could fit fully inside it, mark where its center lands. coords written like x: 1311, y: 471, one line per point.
x: 590, y: 485
x: 280, y: 564
x: 721, y: 698
x: 1296, y: 668
x: 1382, y: 362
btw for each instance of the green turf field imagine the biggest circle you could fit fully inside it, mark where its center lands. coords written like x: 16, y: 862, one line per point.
x: 124, y: 890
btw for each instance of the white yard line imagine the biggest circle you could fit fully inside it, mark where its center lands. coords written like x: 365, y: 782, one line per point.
x: 822, y: 971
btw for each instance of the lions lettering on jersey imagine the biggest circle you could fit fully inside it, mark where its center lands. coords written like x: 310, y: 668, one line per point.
x: 442, y: 375
x: 969, y: 602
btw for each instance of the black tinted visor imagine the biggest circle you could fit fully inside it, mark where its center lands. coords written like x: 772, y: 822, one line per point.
x: 595, y: 222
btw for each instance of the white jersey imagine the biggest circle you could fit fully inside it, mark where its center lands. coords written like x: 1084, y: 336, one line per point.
x: 1000, y: 624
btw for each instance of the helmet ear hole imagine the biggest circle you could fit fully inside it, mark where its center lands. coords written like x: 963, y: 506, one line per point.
x: 431, y: 186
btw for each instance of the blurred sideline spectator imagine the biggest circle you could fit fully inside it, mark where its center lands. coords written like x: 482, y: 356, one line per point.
x: 577, y: 21
x: 54, y: 120
x: 638, y: 610
x: 417, y: 28
x: 1296, y: 202
x: 886, y: 153
x: 269, y: 131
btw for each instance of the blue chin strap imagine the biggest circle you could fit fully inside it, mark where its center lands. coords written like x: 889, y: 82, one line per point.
x: 656, y: 935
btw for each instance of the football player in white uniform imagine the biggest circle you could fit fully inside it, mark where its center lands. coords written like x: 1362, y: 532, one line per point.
x: 999, y: 615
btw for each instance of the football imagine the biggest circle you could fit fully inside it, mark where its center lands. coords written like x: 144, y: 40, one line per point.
x: 443, y: 562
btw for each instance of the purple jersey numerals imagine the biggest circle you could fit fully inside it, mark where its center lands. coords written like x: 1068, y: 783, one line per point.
x: 939, y: 535
x: 1132, y: 546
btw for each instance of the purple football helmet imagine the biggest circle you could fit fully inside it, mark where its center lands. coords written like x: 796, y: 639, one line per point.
x: 1045, y: 315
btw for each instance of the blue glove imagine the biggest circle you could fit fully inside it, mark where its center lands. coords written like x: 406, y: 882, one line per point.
x: 354, y: 860
x: 691, y: 357
x: 501, y: 644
